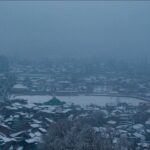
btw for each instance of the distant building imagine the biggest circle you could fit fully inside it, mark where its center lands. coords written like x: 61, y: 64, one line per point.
x: 19, y: 89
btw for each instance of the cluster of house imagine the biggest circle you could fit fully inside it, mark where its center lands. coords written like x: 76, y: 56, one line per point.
x: 128, y: 125
x: 22, y: 124
x: 74, y: 79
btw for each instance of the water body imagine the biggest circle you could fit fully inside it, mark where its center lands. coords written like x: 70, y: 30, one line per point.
x: 81, y: 100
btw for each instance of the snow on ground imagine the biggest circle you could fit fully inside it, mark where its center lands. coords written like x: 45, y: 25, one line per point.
x: 80, y: 100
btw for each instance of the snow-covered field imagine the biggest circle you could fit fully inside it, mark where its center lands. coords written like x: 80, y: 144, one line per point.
x: 81, y: 100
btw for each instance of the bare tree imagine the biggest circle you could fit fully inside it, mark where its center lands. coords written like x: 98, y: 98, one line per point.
x: 66, y: 135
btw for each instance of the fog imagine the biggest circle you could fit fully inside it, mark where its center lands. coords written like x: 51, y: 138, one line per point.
x: 75, y: 29
x: 74, y: 75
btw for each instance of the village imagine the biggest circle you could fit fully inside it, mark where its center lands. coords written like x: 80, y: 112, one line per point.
x: 77, y: 77
x: 24, y: 124
x: 74, y: 75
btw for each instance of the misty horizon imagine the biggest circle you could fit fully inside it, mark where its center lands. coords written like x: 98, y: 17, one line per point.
x: 75, y: 75
x: 75, y: 29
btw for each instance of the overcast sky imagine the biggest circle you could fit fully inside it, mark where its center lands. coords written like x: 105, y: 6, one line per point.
x: 112, y: 29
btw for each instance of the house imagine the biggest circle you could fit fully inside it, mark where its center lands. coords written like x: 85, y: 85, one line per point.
x: 20, y: 89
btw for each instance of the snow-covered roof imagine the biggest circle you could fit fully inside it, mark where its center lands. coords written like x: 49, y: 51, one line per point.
x: 35, y: 137
x: 20, y: 148
x: 43, y: 130
x: 5, y: 126
x: 35, y: 125
x: 112, y: 122
x: 49, y: 120
x: 140, y: 136
x: 66, y: 110
x: 100, y: 129
x: 138, y: 126
x: 37, y: 121
x: 17, y: 134
x: 147, y: 122
x: 6, y: 139
x: 19, y: 86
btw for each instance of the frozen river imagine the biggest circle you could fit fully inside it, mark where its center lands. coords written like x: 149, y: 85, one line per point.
x: 81, y: 100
